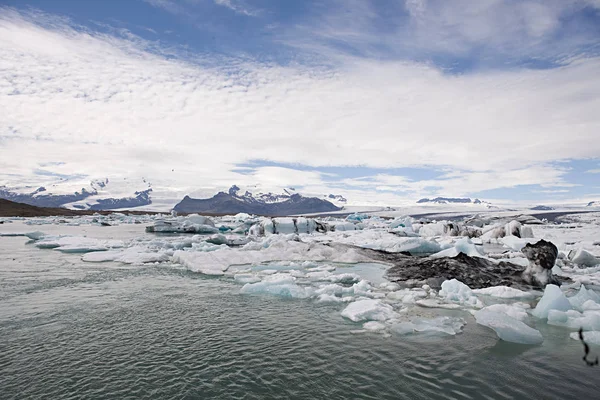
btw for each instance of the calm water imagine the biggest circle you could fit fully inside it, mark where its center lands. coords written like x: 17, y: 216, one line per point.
x: 103, y: 331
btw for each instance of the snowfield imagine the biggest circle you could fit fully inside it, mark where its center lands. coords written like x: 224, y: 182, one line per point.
x: 343, y: 262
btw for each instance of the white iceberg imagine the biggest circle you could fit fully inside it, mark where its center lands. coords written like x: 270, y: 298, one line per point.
x: 553, y: 299
x: 455, y: 291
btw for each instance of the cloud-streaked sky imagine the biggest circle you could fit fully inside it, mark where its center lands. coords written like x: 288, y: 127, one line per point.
x: 377, y: 100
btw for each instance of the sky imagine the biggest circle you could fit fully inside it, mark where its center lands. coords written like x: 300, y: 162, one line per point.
x: 382, y: 101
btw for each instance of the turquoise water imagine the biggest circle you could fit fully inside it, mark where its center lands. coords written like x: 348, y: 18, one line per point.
x: 75, y: 330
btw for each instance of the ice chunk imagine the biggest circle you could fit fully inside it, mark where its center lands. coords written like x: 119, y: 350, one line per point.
x: 583, y: 257
x: 246, y: 278
x: 446, y: 325
x: 553, y: 299
x: 344, y: 226
x: 515, y: 243
x: 189, y: 224
x: 464, y: 245
x: 132, y: 255
x: 37, y: 235
x: 582, y: 297
x: 508, y: 328
x: 588, y: 320
x: 433, y: 303
x: 455, y: 291
x: 373, y: 326
x: 368, y: 310
x: 78, y: 244
x: 283, y: 285
x: 434, y: 229
x: 590, y: 337
x: 229, y: 240
x: 512, y: 310
x: 503, y: 292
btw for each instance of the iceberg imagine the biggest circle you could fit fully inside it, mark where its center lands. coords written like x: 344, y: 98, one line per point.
x: 583, y: 257
x: 507, y: 328
x: 580, y: 301
x: 553, y: 299
x: 189, y: 224
x: 455, y: 291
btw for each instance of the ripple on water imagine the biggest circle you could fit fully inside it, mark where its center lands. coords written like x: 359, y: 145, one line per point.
x: 108, y: 332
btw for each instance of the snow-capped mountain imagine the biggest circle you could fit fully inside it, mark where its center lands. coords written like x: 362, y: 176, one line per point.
x: 450, y: 200
x: 232, y: 202
x: 100, y: 194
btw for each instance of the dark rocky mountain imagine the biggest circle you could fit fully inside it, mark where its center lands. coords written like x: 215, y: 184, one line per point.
x: 44, y: 200
x: 13, y: 209
x: 542, y: 208
x: 594, y: 204
x: 447, y: 200
x: 337, y: 197
x: 232, y: 203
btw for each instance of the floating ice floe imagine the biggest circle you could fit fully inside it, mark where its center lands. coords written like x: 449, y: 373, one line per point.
x: 508, y: 328
x: 368, y: 310
x: 283, y: 285
x: 590, y: 337
x: 132, y: 255
x: 504, y: 292
x: 217, y: 262
x: 445, y: 325
x: 78, y: 244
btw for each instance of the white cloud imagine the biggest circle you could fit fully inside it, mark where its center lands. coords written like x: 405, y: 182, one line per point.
x: 237, y: 7
x: 105, y: 105
x: 484, y: 32
x: 593, y: 171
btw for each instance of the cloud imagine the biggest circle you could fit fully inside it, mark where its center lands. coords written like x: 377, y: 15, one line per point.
x: 237, y: 7
x: 116, y: 105
x: 593, y: 171
x: 458, y: 34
